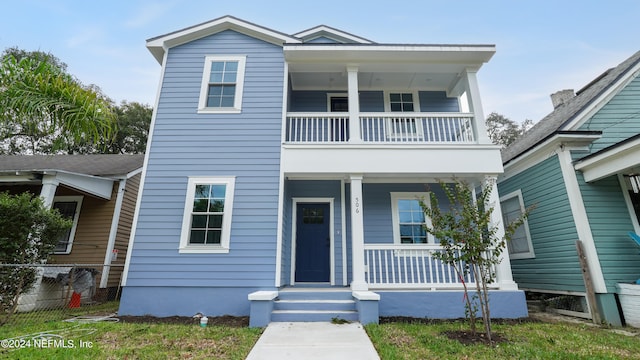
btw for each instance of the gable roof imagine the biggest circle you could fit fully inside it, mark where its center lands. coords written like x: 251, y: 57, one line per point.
x: 102, y: 165
x: 562, y: 116
x: 331, y: 33
x: 158, y: 45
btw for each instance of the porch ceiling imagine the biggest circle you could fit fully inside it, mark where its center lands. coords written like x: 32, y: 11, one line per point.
x: 431, y: 67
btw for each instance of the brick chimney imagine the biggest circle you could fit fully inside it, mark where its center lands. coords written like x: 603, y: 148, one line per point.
x: 560, y: 97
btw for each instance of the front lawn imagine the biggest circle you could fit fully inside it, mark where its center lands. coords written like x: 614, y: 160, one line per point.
x: 525, y: 340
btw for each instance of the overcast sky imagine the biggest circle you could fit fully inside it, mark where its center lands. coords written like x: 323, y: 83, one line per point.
x: 542, y: 45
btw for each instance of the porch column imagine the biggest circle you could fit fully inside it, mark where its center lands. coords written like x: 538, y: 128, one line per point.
x: 357, y: 236
x: 354, y: 104
x: 475, y: 105
x: 504, y: 277
x: 48, y: 191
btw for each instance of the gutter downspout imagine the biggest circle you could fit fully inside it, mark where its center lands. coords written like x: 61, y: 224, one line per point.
x: 115, y: 220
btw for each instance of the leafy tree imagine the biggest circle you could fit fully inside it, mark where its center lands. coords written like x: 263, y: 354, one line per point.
x: 132, y: 120
x: 28, y: 234
x: 470, y: 241
x: 504, y: 131
x: 43, y: 108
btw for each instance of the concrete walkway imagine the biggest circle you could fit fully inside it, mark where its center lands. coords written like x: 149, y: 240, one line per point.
x: 313, y: 340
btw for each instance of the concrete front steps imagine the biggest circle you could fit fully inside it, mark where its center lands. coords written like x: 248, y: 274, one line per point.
x: 312, y: 305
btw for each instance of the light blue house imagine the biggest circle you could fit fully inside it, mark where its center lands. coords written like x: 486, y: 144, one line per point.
x: 283, y: 174
x: 579, y: 166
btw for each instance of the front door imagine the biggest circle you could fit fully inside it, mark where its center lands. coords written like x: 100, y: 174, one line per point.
x: 313, y: 242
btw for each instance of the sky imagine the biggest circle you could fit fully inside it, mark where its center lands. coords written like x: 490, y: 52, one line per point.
x: 542, y: 45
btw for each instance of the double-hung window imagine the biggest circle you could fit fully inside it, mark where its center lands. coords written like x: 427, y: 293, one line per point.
x: 403, y: 128
x: 222, y: 84
x: 206, y: 225
x: 408, y: 218
x: 520, y: 246
x: 69, y: 208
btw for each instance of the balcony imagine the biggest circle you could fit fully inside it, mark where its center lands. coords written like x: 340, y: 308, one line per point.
x: 380, y: 128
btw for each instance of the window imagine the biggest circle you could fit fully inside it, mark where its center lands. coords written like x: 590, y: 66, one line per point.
x: 206, y: 224
x: 69, y: 207
x: 402, y: 102
x: 222, y: 84
x: 403, y: 128
x: 338, y: 102
x: 409, y: 219
x: 520, y: 246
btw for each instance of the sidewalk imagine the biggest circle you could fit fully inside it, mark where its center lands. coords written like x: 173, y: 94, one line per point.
x: 313, y: 340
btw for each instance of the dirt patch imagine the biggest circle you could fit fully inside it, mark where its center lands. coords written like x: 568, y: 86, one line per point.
x: 469, y: 338
x: 226, y: 320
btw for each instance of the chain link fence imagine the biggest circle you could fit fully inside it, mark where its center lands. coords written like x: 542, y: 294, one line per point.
x: 58, y: 291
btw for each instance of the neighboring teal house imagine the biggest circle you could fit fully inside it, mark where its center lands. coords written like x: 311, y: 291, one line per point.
x: 283, y: 174
x: 579, y: 167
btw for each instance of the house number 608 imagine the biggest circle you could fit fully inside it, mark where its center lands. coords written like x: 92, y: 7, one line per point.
x: 357, y: 204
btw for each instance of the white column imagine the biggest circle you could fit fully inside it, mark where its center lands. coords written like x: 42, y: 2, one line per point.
x: 357, y: 235
x: 354, y: 104
x: 475, y: 105
x: 48, y: 191
x: 504, y: 277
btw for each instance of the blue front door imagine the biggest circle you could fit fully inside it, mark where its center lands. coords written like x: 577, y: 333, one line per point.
x: 313, y: 242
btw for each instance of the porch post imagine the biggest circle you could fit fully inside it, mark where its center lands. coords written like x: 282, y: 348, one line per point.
x: 48, y: 191
x: 354, y: 104
x: 504, y: 277
x: 475, y: 104
x: 357, y: 235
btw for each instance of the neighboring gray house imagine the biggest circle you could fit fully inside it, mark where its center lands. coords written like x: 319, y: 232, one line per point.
x: 283, y: 174
x: 580, y: 167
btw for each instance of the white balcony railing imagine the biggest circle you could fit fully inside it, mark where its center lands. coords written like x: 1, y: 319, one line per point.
x: 410, y: 266
x: 381, y: 128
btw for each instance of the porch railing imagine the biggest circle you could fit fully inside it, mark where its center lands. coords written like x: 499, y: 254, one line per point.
x: 416, y: 128
x: 409, y: 266
x: 393, y: 128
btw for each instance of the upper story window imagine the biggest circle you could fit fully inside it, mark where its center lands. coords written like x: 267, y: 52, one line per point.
x: 222, y: 84
x: 520, y: 246
x: 403, y: 128
x: 408, y: 218
x: 402, y: 102
x: 68, y: 207
x: 206, y: 224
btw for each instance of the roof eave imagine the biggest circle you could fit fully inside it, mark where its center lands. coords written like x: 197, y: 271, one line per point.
x: 158, y: 45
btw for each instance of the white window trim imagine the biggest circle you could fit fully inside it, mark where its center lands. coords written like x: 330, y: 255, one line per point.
x: 524, y: 255
x: 72, y: 234
x: 395, y: 196
x: 387, y: 100
x: 225, y: 235
x: 204, y: 86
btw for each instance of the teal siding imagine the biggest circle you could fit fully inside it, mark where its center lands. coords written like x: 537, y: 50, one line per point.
x: 610, y: 222
x: 619, y: 119
x: 553, y: 232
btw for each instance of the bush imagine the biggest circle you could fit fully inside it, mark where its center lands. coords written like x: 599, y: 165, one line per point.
x: 28, y: 234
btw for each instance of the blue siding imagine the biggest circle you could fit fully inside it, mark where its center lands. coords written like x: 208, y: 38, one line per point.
x: 378, y: 225
x: 370, y: 101
x: 184, y: 143
x: 322, y: 40
x: 316, y: 101
x: 437, y: 101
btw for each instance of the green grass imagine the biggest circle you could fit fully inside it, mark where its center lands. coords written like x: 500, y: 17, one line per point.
x: 533, y: 340
x: 115, y: 340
